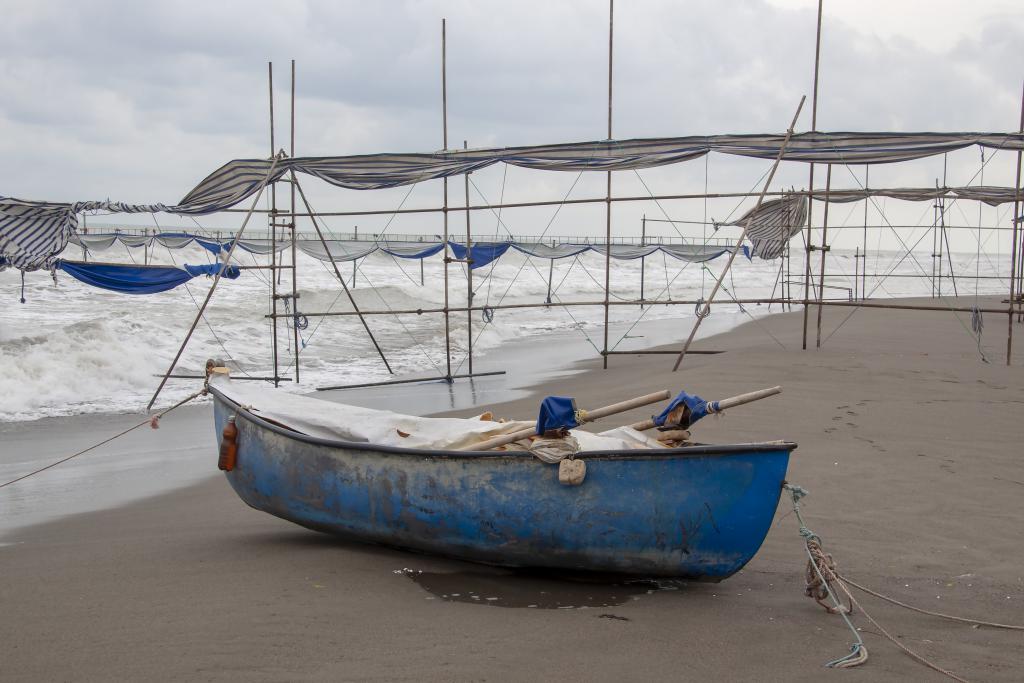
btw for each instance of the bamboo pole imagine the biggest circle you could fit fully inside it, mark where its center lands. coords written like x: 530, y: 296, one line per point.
x: 824, y: 250
x: 560, y: 304
x: 1013, y: 247
x: 739, y: 242
x: 719, y: 406
x: 213, y: 287
x: 295, y: 270
x: 341, y: 279
x: 588, y: 200
x: 942, y: 223
x: 273, y: 231
x: 416, y: 380
x: 608, y: 193
x: 469, y: 275
x: 643, y: 239
x: 444, y: 252
x: 810, y: 202
x: 864, y: 249
x: 585, y: 417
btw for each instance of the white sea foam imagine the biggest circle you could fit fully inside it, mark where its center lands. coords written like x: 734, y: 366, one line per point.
x: 72, y: 348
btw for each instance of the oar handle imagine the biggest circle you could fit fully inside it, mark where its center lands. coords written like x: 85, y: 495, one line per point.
x: 734, y: 401
x: 719, y: 406
x: 585, y: 416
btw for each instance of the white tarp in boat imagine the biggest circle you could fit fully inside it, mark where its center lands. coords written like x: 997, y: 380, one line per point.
x: 329, y: 420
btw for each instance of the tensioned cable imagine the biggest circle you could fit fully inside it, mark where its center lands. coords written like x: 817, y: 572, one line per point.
x: 196, y: 304
x: 668, y: 285
x: 982, y: 244
x: 528, y: 260
x: 924, y: 274
x: 380, y: 296
x: 501, y: 203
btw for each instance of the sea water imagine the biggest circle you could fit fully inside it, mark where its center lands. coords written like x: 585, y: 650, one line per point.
x: 71, y: 348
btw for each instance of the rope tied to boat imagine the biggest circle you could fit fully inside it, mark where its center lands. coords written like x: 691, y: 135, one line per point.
x: 153, y: 421
x: 827, y: 577
x: 822, y: 569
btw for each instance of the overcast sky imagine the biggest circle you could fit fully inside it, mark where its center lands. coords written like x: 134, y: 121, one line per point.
x: 138, y: 101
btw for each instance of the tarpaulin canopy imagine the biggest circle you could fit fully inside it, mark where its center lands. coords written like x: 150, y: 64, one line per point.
x: 33, y: 233
x: 132, y: 279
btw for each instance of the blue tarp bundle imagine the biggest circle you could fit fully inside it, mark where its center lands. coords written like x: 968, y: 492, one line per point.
x: 697, y: 406
x: 556, y: 413
x: 210, y: 269
x: 415, y: 251
x: 482, y: 254
x: 129, y: 279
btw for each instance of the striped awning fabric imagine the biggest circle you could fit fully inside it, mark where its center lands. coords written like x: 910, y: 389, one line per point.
x: 32, y: 233
x: 770, y: 225
x: 238, y: 179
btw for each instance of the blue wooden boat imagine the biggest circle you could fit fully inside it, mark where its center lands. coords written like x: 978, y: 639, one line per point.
x: 698, y: 512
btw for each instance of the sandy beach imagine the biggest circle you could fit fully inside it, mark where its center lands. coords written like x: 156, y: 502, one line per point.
x: 908, y: 443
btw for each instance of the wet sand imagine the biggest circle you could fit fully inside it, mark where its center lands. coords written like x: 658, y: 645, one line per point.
x: 909, y: 446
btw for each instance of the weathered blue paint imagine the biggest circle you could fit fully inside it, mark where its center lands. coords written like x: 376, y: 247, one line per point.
x: 697, y: 512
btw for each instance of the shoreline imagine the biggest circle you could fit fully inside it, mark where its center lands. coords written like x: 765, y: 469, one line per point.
x: 117, y: 474
x: 908, y: 448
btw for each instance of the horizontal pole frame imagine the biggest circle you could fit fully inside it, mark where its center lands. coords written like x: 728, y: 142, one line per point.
x: 391, y: 382
x: 690, y: 302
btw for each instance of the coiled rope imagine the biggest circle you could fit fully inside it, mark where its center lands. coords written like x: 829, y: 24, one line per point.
x: 977, y: 325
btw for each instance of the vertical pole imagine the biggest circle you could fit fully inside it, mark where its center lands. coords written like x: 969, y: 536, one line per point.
x: 444, y: 124
x: 354, y: 271
x: 273, y: 232
x: 295, y: 266
x: 864, y: 250
x: 824, y: 250
x: 856, y: 274
x: 469, y: 275
x: 1013, y: 246
x: 608, y: 194
x: 935, y: 227
x: 421, y: 273
x: 810, y: 201
x: 941, y: 230
x: 551, y: 275
x: 643, y: 243
x: 942, y: 224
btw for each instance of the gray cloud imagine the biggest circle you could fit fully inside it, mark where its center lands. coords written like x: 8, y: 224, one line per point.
x: 138, y: 101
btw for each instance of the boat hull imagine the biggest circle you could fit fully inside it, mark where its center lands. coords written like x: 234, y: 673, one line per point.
x: 698, y: 512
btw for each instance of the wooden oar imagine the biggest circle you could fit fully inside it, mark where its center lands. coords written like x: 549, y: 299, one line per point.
x: 719, y: 406
x: 585, y: 417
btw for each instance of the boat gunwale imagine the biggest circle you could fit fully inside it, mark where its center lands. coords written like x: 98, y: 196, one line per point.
x: 699, y: 451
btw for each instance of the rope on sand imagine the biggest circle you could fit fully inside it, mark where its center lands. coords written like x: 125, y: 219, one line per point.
x: 823, y: 577
x: 153, y: 421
